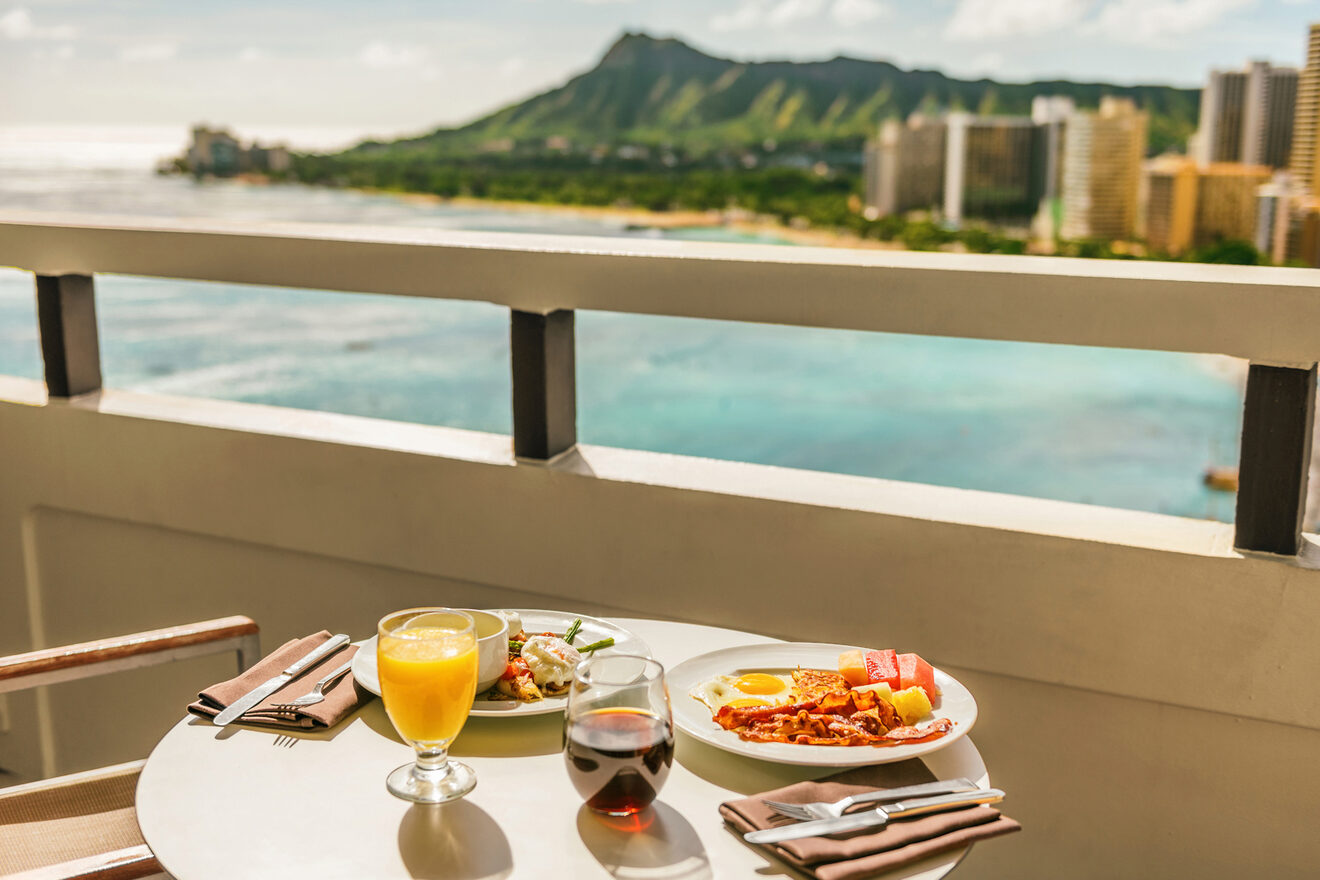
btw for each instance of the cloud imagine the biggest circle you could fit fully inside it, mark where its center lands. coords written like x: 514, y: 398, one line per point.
x: 380, y: 55
x: 854, y: 12
x: 160, y: 50
x: 986, y: 63
x: 1152, y: 22
x: 781, y: 14
x: 58, y: 53
x: 251, y: 54
x: 1155, y: 21
x: 511, y: 67
x: 786, y: 12
x: 17, y: 24
x: 978, y: 20
x: 749, y: 14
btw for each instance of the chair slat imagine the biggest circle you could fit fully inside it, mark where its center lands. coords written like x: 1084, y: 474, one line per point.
x: 48, y: 660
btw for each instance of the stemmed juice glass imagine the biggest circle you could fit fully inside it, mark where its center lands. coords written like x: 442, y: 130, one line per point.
x: 427, y: 662
x: 618, y: 733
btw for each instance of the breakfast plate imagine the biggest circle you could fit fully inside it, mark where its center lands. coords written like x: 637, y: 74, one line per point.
x: 694, y: 718
x: 534, y: 621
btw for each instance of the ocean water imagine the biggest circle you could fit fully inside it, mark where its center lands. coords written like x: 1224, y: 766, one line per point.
x: 1118, y: 428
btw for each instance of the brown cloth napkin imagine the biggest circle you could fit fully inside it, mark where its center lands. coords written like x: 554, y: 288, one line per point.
x: 341, y: 698
x: 870, y: 851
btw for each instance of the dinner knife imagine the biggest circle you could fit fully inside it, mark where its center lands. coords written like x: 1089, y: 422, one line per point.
x: 876, y: 817
x: 261, y: 691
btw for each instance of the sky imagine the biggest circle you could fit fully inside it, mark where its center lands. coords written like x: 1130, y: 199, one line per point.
x: 396, y: 66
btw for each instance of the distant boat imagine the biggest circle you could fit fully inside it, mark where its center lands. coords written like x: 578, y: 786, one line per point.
x: 1222, y: 479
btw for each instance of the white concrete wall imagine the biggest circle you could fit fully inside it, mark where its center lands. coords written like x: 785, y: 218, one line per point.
x: 1148, y: 696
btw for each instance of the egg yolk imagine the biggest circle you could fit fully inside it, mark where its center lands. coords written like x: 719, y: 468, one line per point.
x: 746, y: 704
x: 759, y: 683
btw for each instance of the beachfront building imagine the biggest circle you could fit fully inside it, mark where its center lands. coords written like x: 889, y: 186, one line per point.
x: 213, y: 151
x: 1226, y: 201
x: 993, y: 168
x: 1168, y: 198
x: 1287, y: 225
x: 1304, y: 153
x: 1272, y: 217
x: 1247, y: 115
x: 903, y: 168
x: 216, y: 152
x: 1101, y: 170
x: 1050, y: 114
x: 1187, y: 205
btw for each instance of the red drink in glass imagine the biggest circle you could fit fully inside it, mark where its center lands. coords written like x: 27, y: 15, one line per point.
x: 618, y: 758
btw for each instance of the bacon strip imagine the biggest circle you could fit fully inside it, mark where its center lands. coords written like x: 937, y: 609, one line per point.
x: 730, y: 718
x: 830, y: 730
x: 847, y: 718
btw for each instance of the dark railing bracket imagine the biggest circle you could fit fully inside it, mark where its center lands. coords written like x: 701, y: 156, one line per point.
x: 66, y: 314
x: 544, y: 384
x: 1277, y: 420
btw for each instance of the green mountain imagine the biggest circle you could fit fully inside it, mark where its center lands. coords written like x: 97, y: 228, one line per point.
x: 662, y: 91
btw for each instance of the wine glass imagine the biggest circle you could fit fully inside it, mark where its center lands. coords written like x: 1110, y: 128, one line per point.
x: 427, y: 662
x: 618, y: 733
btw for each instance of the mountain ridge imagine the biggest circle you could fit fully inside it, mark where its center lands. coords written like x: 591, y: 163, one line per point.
x: 657, y: 91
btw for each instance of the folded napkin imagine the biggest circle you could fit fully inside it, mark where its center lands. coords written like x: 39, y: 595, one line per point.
x: 341, y: 698
x: 870, y: 851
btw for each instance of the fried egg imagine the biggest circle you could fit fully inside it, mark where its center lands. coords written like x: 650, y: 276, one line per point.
x: 745, y: 691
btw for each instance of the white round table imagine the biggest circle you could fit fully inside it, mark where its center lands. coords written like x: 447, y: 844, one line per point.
x: 217, y: 803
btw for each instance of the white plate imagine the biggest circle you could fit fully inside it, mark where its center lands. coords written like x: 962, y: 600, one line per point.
x: 593, y: 630
x: 692, y: 717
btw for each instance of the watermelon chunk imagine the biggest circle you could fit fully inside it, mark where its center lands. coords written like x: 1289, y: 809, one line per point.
x: 882, y: 666
x: 915, y: 672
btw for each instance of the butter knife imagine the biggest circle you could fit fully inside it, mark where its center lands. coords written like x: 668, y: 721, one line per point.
x: 261, y: 691
x: 877, y: 817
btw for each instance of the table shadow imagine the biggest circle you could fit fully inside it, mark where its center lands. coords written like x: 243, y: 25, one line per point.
x: 740, y: 773
x: 490, y: 737
x: 454, y: 841
x: 656, y: 844
x: 511, y: 737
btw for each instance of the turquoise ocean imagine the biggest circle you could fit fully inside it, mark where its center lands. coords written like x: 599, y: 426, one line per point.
x: 1101, y: 426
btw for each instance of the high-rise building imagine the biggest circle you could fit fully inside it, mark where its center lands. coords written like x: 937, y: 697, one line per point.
x: 993, y: 168
x: 1247, y: 115
x: 1307, y: 117
x: 904, y: 167
x: 1186, y: 204
x: 1272, y: 212
x: 1168, y: 216
x: 1101, y: 170
x: 1226, y: 201
x: 1051, y: 113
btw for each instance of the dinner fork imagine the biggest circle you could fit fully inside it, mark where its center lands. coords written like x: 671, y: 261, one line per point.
x: 824, y: 810
x: 318, y: 691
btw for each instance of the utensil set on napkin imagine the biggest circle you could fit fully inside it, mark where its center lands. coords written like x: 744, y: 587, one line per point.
x: 885, y: 845
x: 278, y: 690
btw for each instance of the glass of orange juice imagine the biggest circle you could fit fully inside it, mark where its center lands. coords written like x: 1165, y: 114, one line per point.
x: 427, y: 662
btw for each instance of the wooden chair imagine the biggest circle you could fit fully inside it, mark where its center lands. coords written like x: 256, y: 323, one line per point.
x: 85, y: 825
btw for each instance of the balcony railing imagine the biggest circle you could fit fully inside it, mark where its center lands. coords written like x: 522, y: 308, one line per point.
x: 1134, y: 671
x: 1265, y: 315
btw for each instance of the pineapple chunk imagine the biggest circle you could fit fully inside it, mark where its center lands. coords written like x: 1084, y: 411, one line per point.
x: 912, y: 704
x: 881, y: 689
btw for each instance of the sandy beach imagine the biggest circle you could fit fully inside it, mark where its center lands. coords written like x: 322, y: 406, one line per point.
x: 739, y: 221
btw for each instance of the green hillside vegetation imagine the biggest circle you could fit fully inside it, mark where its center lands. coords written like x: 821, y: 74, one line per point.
x: 657, y: 92
x: 659, y: 125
